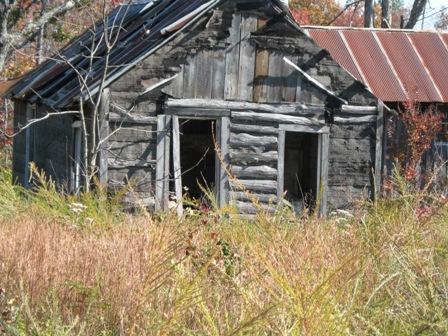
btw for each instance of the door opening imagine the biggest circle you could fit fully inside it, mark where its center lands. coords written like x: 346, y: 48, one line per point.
x: 197, y: 156
x: 301, y: 169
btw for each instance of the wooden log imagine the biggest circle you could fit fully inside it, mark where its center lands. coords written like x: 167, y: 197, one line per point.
x: 244, y: 140
x: 355, y: 120
x: 134, y: 119
x: 280, y: 108
x: 241, y: 128
x: 359, y: 109
x: 115, y: 163
x: 249, y: 197
x: 262, y: 172
x: 263, y: 186
x: 247, y: 158
x: 278, y: 118
x: 198, y: 112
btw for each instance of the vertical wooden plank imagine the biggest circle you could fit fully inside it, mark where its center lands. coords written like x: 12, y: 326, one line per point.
x: 162, y: 162
x: 247, y: 59
x: 176, y: 165
x: 103, y: 133
x: 290, y: 76
x: 219, y: 69
x: 261, y: 71
x: 379, y: 146
x: 190, y: 78
x: 222, y: 180
x: 232, y: 59
x: 204, y: 68
x: 274, y: 91
x: 281, y: 163
x: 325, y: 141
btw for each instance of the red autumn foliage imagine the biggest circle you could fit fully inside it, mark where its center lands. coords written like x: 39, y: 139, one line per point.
x: 410, y: 142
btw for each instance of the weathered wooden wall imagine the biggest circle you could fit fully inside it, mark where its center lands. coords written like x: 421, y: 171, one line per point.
x: 234, y: 55
x: 50, y: 144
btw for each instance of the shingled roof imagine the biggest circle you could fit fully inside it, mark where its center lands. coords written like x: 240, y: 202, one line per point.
x: 394, y: 64
x: 142, y: 28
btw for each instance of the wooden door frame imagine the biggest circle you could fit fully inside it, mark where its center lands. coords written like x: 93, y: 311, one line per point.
x: 323, y: 133
x: 168, y: 130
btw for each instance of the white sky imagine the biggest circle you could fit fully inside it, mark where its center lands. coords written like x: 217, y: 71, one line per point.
x: 432, y: 10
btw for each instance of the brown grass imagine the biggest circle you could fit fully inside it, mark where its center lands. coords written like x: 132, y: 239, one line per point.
x: 382, y: 271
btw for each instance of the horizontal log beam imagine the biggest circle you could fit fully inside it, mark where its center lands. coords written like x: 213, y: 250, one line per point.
x: 359, y: 109
x: 278, y: 118
x: 236, y: 128
x: 265, y: 187
x: 354, y: 120
x: 245, y: 140
x: 132, y: 119
x: 264, y: 172
x: 114, y: 163
x: 268, y: 157
x: 284, y: 108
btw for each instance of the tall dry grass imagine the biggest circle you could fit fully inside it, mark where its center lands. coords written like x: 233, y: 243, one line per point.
x: 379, y: 271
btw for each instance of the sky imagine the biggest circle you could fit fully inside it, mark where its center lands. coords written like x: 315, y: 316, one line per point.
x: 432, y: 9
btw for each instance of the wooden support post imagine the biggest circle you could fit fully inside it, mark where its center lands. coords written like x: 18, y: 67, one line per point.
x: 379, y: 147
x: 176, y: 165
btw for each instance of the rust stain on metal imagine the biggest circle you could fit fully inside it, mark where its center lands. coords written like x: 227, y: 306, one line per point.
x: 393, y: 63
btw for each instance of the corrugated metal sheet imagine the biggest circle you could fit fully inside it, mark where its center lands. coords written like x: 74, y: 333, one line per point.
x: 139, y: 26
x: 394, y: 64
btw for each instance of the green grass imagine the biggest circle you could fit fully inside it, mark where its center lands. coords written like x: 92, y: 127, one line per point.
x: 88, y: 269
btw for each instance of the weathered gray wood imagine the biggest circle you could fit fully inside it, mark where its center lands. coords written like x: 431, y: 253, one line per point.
x: 118, y: 163
x: 241, y: 128
x: 261, y: 71
x: 262, y: 172
x: 219, y: 67
x: 304, y: 129
x: 203, y: 76
x: 289, y: 75
x: 355, y: 120
x: 134, y: 119
x: 162, y: 161
x: 325, y: 143
x: 190, y: 77
x: 222, y: 160
x: 251, y: 197
x: 263, y: 186
x: 281, y: 108
x: 232, y: 59
x: 198, y: 112
x: 243, y: 139
x: 247, y: 158
x: 103, y: 134
x: 379, y: 147
x: 278, y: 118
x: 247, y: 58
x: 275, y: 76
x: 177, y: 166
x: 359, y: 109
x: 281, y: 164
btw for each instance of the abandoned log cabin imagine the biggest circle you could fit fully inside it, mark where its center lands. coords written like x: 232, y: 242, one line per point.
x: 183, y: 76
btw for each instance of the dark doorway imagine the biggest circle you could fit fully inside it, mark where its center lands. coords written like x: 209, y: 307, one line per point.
x: 197, y: 156
x: 301, y: 168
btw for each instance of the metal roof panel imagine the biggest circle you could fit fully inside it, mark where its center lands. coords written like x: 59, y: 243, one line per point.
x: 380, y: 76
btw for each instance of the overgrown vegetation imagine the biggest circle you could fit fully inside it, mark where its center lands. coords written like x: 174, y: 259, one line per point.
x: 78, y: 266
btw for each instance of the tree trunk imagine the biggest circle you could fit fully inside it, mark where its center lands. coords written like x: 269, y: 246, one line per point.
x: 386, y: 14
x: 368, y: 14
x: 416, y: 12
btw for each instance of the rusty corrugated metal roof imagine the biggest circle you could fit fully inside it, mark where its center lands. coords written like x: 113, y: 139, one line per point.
x: 394, y: 64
